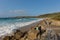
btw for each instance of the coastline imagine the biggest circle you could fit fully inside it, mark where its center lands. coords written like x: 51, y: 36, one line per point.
x: 26, y: 28
x: 26, y: 31
x: 23, y: 29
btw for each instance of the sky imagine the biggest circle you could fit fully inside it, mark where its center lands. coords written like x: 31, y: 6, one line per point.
x: 11, y: 8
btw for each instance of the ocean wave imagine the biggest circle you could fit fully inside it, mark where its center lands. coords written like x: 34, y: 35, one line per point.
x: 8, y: 28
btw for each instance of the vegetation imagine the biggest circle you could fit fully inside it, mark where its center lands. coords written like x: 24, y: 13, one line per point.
x: 55, y: 16
x: 49, y: 15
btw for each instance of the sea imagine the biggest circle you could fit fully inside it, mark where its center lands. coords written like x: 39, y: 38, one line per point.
x: 7, y: 25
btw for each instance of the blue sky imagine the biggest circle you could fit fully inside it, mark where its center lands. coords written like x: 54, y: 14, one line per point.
x: 9, y: 8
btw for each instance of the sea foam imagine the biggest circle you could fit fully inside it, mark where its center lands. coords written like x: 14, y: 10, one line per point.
x: 8, y: 28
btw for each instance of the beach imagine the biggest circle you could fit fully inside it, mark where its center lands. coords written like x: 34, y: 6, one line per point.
x: 29, y: 32
x: 10, y: 30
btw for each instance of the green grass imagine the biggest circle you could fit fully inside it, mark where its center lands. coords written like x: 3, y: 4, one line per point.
x: 55, y: 16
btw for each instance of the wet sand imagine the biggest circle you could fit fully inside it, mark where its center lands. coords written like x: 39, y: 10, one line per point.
x: 28, y: 27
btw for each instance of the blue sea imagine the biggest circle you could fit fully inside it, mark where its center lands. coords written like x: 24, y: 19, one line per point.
x: 9, y: 24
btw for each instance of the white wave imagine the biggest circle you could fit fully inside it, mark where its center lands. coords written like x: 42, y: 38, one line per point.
x: 7, y: 29
x: 28, y: 23
x: 19, y: 19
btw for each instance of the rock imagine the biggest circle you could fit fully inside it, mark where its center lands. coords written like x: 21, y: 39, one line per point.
x: 33, y: 34
x: 49, y: 35
x: 16, y: 35
x: 39, y: 32
x: 6, y: 38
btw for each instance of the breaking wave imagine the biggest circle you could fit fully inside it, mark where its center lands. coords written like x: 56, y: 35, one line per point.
x: 8, y: 28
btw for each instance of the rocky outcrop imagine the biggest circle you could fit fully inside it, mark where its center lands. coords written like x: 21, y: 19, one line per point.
x: 39, y: 32
x: 33, y: 34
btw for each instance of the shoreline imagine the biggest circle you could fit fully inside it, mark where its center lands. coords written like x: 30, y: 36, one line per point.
x: 22, y: 29
x: 30, y: 32
x: 27, y: 27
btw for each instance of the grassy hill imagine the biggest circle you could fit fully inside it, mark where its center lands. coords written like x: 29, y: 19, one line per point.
x: 51, y: 15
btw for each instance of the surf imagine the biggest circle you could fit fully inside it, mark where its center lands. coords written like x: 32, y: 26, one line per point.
x: 8, y: 28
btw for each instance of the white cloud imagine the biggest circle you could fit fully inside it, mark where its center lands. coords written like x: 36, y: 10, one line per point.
x: 17, y: 11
